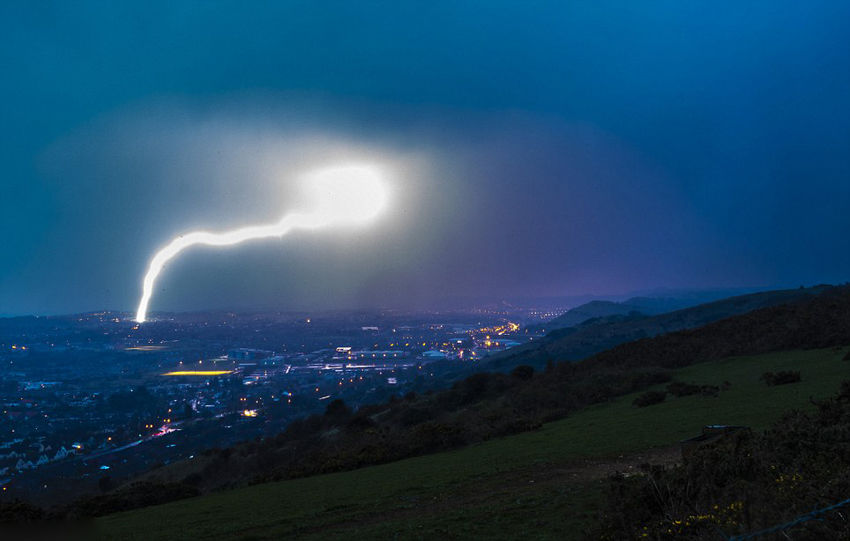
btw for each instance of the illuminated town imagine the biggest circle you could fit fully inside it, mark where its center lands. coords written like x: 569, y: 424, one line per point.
x: 97, y: 396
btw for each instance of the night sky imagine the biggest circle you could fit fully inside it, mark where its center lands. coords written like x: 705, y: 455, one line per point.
x: 535, y: 149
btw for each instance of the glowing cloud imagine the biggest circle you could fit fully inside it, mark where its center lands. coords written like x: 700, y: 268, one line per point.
x: 345, y: 195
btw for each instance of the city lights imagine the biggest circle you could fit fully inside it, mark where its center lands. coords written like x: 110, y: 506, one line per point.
x: 198, y: 373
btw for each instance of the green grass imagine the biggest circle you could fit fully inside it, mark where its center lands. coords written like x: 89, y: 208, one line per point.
x: 502, y: 489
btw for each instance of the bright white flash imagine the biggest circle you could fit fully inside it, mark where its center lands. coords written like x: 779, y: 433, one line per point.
x: 346, y: 195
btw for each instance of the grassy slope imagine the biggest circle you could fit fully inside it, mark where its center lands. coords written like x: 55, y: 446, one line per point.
x: 500, y: 488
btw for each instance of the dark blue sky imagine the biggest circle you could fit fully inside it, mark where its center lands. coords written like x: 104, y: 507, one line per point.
x: 540, y: 148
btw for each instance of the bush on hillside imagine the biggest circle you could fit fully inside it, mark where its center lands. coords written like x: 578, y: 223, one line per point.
x: 679, y: 389
x: 649, y: 398
x: 337, y: 408
x: 141, y: 494
x: 523, y: 371
x: 782, y: 377
x: 709, y: 390
x: 361, y: 421
x: 18, y: 511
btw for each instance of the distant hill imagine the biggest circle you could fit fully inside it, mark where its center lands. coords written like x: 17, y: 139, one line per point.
x: 591, y: 310
x: 821, y: 320
x: 648, y: 305
x: 595, y: 335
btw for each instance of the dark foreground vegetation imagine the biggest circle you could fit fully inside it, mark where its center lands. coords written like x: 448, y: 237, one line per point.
x: 549, y: 481
x: 746, y: 482
x: 479, y: 408
x: 483, y: 406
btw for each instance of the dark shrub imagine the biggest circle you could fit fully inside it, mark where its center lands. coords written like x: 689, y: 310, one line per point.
x: 649, y: 398
x: 847, y: 357
x: 678, y: 388
x: 361, y: 421
x: 432, y: 436
x: 415, y: 415
x: 473, y: 388
x: 781, y: 378
x: 105, y: 483
x: 141, y: 494
x: 337, y: 408
x: 709, y: 390
x: 193, y: 479
x: 523, y: 371
x: 18, y: 511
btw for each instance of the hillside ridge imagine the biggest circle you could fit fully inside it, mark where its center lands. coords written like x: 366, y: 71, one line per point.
x: 489, y: 405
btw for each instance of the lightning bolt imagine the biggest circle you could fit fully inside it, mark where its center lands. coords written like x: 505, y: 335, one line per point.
x: 347, y: 195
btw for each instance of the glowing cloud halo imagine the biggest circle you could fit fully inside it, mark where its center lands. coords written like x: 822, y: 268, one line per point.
x: 345, y: 196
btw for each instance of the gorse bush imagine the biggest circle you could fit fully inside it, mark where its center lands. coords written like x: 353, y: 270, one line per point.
x: 743, y: 482
x: 679, y: 389
x: 140, y: 494
x: 18, y: 511
x: 650, y: 398
x: 523, y: 371
x: 782, y: 377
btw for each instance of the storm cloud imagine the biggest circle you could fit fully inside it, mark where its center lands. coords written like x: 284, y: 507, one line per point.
x: 559, y: 151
